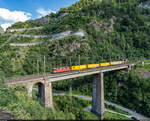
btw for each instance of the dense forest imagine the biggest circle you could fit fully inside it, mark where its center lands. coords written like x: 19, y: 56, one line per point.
x: 114, y: 30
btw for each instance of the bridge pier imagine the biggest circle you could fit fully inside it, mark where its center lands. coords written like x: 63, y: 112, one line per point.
x: 48, y: 95
x: 29, y: 89
x: 129, y: 68
x: 98, y: 96
x: 70, y: 90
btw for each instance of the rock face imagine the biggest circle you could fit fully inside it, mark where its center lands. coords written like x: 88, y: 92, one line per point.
x: 143, y: 73
x: 1, y: 30
x: 43, y: 20
x: 62, y: 15
x: 145, y: 4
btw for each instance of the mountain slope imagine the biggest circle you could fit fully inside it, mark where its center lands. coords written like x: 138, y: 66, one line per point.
x: 113, y: 30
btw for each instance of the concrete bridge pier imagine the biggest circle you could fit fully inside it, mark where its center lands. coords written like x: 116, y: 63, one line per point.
x: 98, y: 96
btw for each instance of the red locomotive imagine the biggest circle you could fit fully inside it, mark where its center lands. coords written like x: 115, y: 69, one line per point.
x: 61, y: 69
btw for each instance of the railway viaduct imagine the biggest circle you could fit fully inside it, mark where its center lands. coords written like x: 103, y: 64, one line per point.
x: 44, y: 82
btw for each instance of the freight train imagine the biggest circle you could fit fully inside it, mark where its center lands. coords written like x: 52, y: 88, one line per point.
x: 87, y: 66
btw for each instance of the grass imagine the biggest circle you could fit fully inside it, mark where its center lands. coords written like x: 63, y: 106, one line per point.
x: 90, y: 116
x: 113, y: 116
x: 116, y: 109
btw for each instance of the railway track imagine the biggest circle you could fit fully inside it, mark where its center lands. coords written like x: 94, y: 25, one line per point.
x: 50, y: 75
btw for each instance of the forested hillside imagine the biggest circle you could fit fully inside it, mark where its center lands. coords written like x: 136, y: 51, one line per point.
x: 111, y: 30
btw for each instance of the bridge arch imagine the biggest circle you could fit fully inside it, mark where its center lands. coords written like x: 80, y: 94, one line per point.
x: 43, y: 88
x: 38, y: 90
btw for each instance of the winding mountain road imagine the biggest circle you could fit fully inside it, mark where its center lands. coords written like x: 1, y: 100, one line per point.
x: 53, y: 37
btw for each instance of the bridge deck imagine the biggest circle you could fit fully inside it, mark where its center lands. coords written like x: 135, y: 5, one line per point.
x: 65, y: 75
